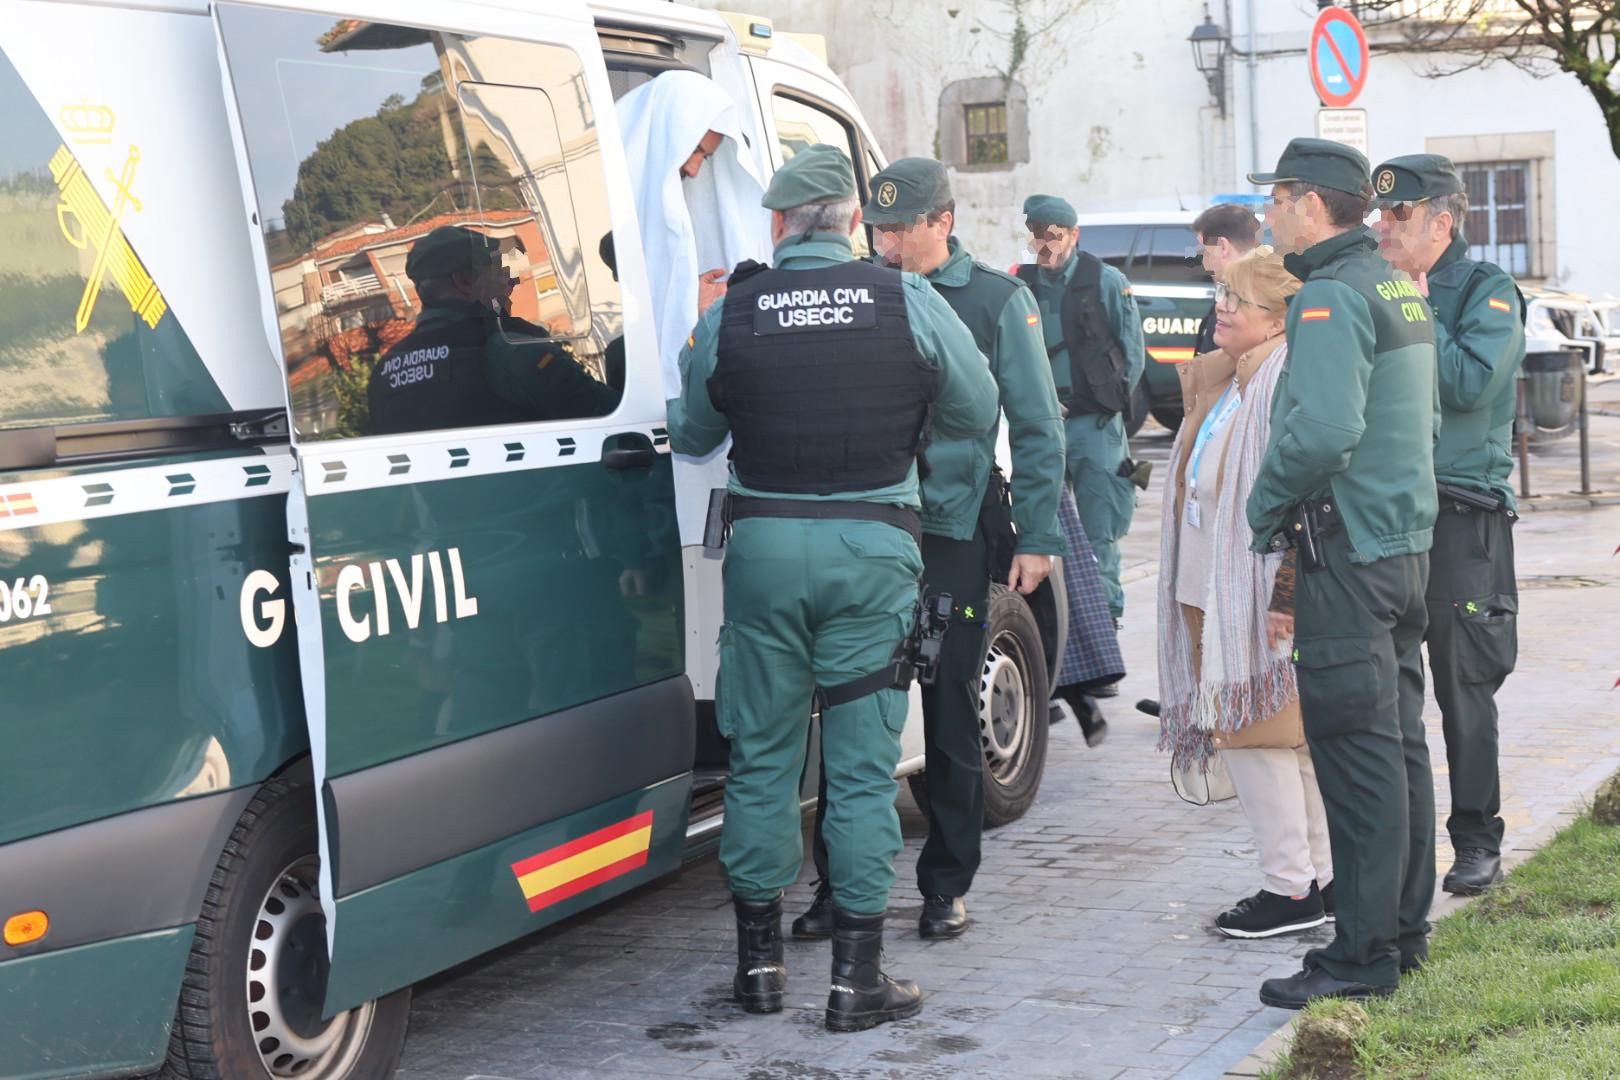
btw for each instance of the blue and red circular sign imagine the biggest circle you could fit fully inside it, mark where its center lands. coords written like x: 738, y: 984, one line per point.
x: 1338, y: 56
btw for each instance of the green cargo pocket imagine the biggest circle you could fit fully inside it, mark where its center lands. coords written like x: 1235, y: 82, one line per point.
x: 1338, y: 684
x: 1487, y: 637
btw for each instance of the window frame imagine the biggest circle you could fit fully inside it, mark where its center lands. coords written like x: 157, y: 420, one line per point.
x: 1490, y: 249
x: 988, y: 109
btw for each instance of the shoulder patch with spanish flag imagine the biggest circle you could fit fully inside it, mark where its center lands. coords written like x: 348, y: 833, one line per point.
x: 691, y: 341
x: 1316, y: 314
x: 1499, y: 305
x: 1032, y: 320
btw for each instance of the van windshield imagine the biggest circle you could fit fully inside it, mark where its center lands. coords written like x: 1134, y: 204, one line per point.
x: 1110, y: 243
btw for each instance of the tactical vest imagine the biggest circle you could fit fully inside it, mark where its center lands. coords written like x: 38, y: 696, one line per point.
x: 820, y: 379
x: 1096, y: 357
x: 437, y: 377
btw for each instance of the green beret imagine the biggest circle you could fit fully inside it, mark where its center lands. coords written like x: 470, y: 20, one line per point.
x: 451, y: 249
x: 1322, y: 163
x: 906, y: 190
x: 816, y: 174
x: 1416, y: 177
x: 1050, y: 210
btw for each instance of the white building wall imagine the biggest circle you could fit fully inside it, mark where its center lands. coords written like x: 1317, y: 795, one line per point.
x: 1120, y: 120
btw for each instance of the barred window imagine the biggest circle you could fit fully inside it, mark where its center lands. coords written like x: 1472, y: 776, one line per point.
x: 986, y: 124
x: 1499, y: 214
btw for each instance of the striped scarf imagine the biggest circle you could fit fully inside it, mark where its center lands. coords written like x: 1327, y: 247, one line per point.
x: 1243, y: 679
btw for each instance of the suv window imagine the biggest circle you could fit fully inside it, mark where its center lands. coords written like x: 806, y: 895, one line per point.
x: 438, y: 261
x: 1171, y: 257
x: 1110, y: 243
x: 86, y: 334
x: 801, y: 123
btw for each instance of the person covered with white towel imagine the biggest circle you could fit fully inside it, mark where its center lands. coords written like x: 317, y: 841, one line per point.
x: 1226, y: 682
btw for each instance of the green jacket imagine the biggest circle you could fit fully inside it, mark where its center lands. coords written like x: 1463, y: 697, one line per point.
x: 1001, y: 314
x: 1357, y: 409
x: 1479, y: 345
x: 1116, y: 301
x: 965, y: 408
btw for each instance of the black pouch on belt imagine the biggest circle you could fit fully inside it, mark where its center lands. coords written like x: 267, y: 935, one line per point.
x: 995, y: 521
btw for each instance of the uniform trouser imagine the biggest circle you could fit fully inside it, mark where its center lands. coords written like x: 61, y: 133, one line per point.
x: 808, y: 603
x: 1358, y: 637
x: 1105, y: 499
x: 1473, y: 644
x: 955, y: 768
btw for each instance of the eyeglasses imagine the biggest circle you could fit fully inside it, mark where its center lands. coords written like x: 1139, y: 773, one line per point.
x: 1401, y: 211
x: 1228, y: 299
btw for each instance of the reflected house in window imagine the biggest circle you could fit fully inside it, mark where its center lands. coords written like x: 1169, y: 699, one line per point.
x: 364, y: 138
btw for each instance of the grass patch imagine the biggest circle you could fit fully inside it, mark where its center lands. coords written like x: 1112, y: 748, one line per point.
x: 1525, y: 982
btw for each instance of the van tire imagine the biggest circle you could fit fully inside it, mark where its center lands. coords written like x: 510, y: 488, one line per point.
x: 1141, y: 405
x: 1013, y: 695
x: 1170, y: 416
x: 263, y: 889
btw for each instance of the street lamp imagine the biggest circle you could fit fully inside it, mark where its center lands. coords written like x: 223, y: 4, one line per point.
x: 1209, y: 42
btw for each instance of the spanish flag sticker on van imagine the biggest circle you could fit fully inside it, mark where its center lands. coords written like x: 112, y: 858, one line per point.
x: 594, y: 859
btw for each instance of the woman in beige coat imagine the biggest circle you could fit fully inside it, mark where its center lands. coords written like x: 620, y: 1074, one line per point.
x: 1225, y: 680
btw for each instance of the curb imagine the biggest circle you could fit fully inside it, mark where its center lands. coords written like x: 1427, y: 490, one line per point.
x: 1276, y: 1044
x: 1545, y: 503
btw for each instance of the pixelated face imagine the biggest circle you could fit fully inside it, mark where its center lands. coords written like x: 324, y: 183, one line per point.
x: 1408, y: 236
x: 1216, y: 253
x: 1288, y: 217
x: 1052, y: 244
x: 1242, y: 322
x: 705, y: 150
x: 916, y: 246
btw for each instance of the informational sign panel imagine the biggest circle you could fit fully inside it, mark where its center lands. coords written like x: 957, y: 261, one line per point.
x: 1338, y: 57
x: 1348, y: 126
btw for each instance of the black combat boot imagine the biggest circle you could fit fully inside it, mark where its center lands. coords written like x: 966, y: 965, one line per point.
x: 761, y: 973
x: 817, y: 921
x: 862, y: 996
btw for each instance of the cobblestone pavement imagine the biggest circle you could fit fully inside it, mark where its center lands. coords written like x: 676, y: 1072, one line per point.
x: 1091, y: 954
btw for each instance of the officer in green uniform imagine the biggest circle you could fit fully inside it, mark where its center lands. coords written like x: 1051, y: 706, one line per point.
x: 1473, y: 593
x: 1094, y: 340
x: 824, y: 371
x: 1349, y: 475
x: 466, y: 362
x: 968, y: 537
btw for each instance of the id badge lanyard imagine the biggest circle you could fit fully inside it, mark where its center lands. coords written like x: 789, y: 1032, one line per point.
x: 1218, y: 418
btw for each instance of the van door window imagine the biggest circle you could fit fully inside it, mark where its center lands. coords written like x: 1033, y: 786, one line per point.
x: 86, y: 333
x: 1173, y: 257
x: 438, y: 261
x: 1110, y: 243
x: 801, y: 123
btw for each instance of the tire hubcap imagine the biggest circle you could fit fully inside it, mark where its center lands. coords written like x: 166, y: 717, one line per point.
x: 286, y: 985
x: 1004, y: 702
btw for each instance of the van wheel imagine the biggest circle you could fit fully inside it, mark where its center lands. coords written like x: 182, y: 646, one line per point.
x: 1140, y: 405
x: 1013, y: 721
x: 250, y: 1005
x: 1169, y: 416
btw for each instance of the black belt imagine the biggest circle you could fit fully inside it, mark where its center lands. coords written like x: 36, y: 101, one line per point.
x: 1466, y: 500
x: 750, y: 506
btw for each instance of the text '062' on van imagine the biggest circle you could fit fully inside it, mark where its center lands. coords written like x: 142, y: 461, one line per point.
x: 344, y: 666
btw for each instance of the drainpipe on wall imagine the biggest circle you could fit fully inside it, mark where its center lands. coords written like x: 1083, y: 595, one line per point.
x: 1254, y: 105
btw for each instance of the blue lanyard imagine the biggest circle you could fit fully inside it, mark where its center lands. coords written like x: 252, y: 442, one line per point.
x: 1217, y: 418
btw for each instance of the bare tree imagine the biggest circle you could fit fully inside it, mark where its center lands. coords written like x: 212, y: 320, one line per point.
x: 1540, y: 37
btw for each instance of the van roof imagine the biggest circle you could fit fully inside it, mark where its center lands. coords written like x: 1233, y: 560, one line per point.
x: 1140, y: 217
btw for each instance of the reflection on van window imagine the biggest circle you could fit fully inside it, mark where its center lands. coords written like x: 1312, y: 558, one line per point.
x: 424, y: 227
x: 1110, y: 243
x: 800, y: 124
x: 1175, y: 257
x: 86, y: 333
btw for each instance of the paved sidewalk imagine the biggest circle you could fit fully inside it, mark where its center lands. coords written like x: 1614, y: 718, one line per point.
x: 1092, y: 954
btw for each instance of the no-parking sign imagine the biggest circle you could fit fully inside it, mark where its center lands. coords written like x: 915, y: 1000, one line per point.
x: 1338, y: 57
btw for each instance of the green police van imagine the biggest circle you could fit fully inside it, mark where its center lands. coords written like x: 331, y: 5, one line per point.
x: 1159, y: 253
x: 300, y: 710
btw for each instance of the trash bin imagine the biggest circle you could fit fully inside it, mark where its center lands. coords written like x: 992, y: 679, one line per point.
x: 1554, y: 383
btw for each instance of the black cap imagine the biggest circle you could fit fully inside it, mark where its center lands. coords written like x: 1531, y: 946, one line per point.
x: 451, y: 249
x: 1415, y: 177
x: 906, y: 190
x: 1323, y: 163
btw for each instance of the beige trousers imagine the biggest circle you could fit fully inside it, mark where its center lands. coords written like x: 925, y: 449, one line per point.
x: 1277, y: 789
